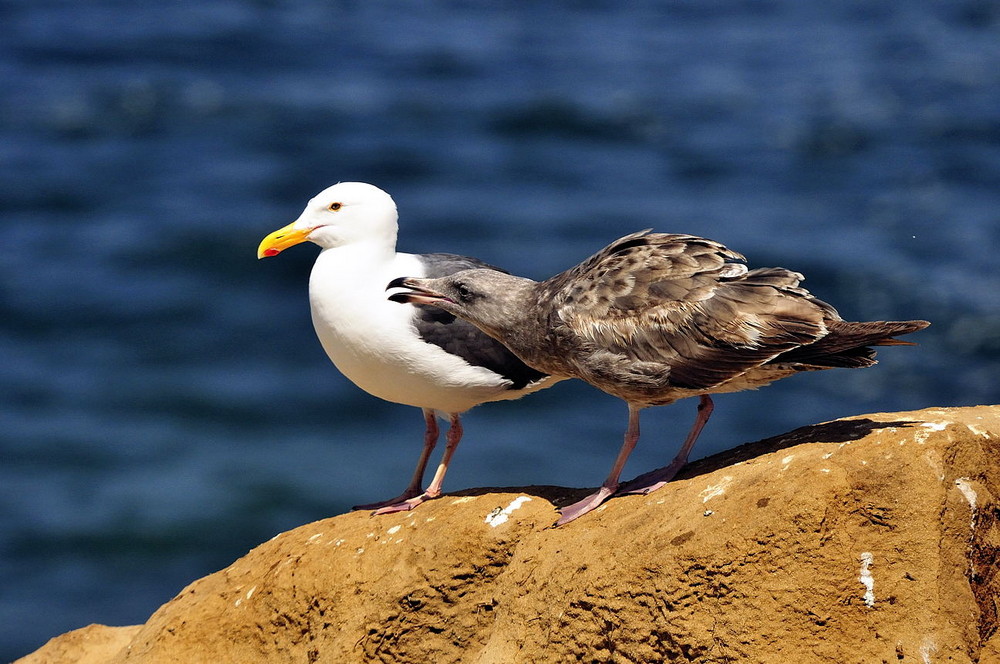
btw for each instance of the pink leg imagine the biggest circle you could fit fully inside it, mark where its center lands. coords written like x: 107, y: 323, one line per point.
x: 434, y: 489
x: 578, y: 509
x: 417, y: 481
x: 654, y: 479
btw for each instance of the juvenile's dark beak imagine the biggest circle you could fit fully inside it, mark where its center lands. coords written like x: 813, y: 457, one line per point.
x: 398, y: 282
x: 416, y: 293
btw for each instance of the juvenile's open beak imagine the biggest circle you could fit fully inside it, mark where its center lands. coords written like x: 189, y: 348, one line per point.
x: 417, y: 294
x: 282, y: 239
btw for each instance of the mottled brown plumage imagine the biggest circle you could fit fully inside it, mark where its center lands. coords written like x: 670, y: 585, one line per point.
x: 653, y: 318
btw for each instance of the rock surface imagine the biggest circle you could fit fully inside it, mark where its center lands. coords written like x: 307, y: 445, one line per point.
x: 869, y: 539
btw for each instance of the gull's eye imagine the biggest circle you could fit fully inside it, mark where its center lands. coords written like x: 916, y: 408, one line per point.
x: 463, y: 291
x: 333, y: 207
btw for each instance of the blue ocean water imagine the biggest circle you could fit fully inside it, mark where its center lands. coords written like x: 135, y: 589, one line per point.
x: 164, y: 406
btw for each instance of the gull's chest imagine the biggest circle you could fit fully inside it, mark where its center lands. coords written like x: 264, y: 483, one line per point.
x: 352, y: 313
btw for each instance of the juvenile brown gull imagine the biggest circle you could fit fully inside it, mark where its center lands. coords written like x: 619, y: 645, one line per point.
x: 419, y: 356
x: 653, y: 318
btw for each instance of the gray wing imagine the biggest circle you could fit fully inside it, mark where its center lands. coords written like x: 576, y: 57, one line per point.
x: 688, y: 305
x: 464, y: 339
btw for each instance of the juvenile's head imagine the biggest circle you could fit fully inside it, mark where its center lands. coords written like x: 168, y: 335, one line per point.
x: 493, y: 301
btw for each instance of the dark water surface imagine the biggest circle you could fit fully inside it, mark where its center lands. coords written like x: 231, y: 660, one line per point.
x: 164, y: 406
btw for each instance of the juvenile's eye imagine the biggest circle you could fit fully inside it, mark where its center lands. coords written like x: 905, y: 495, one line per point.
x: 333, y: 207
x: 463, y: 291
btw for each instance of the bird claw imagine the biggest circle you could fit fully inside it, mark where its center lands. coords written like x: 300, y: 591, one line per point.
x: 404, y: 506
x: 403, y: 503
x: 392, y: 502
x: 579, y: 508
x: 649, y: 482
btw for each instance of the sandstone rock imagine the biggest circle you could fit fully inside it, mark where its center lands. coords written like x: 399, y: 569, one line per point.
x: 93, y: 644
x: 868, y: 539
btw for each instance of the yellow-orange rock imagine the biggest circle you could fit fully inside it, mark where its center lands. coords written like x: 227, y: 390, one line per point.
x: 869, y: 539
x: 93, y: 644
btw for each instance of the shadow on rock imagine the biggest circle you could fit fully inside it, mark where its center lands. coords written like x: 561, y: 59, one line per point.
x: 839, y: 431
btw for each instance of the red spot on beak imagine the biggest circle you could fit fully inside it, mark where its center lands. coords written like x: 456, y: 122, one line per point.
x: 272, y: 252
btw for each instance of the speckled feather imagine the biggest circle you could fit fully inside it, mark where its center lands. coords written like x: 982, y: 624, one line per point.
x: 654, y: 317
x: 673, y: 315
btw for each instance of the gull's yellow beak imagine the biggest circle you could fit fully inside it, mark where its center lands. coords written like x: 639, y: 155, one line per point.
x: 282, y: 239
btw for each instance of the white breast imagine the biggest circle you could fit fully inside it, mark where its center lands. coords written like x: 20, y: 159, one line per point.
x: 374, y: 343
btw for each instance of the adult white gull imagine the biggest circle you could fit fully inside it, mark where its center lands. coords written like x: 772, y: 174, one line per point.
x: 653, y: 318
x: 415, y: 355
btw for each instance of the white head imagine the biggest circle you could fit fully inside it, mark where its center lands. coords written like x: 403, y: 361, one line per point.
x: 345, y: 213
